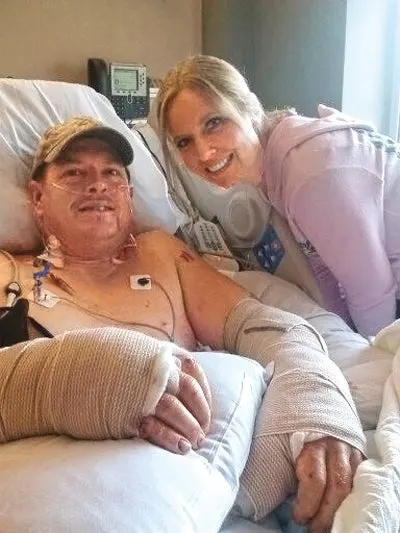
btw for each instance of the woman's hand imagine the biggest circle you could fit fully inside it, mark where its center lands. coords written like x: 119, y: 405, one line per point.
x: 325, y: 469
x: 182, y: 420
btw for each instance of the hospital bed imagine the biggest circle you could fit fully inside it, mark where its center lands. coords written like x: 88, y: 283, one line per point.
x: 57, y: 484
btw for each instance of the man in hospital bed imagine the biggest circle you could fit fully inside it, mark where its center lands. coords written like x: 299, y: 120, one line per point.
x: 94, y: 273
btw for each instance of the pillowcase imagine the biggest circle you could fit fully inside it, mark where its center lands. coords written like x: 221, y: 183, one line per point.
x: 62, y: 485
x: 27, y: 109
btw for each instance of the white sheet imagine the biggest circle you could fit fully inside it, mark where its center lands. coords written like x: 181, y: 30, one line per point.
x: 374, y: 505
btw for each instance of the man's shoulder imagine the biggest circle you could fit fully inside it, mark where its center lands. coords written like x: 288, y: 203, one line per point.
x: 161, y: 239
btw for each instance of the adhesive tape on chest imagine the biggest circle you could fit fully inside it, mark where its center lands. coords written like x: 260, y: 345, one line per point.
x: 47, y: 298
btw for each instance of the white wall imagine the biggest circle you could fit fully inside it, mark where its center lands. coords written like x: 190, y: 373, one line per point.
x: 292, y: 51
x: 228, y: 32
x: 52, y: 39
x: 345, y: 53
x: 299, y: 52
x: 370, y: 61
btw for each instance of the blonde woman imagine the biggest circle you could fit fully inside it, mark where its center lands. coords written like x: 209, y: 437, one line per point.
x: 335, y: 180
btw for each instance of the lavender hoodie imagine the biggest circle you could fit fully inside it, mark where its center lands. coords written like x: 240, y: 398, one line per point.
x: 337, y: 182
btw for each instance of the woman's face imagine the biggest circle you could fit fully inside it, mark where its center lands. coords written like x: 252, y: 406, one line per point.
x: 211, y: 144
x: 84, y: 200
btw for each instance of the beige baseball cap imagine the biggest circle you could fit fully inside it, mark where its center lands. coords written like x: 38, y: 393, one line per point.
x: 58, y: 137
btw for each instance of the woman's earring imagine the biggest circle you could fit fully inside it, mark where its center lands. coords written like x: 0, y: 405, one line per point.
x: 53, y: 253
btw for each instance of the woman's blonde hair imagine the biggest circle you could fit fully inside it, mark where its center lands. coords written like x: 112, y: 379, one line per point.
x: 217, y: 80
x: 226, y: 89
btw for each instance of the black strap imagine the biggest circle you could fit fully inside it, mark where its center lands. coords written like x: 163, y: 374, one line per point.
x: 14, y: 324
x: 44, y: 331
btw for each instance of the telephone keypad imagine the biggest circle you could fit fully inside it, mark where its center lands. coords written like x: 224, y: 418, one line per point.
x: 210, y: 237
x: 128, y: 107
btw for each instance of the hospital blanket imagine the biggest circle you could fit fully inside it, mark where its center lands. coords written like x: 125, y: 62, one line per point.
x: 374, y: 504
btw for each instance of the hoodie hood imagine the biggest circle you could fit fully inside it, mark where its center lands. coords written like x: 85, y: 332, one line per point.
x: 291, y: 132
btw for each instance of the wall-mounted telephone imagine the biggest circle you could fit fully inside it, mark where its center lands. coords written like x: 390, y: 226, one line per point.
x: 125, y: 84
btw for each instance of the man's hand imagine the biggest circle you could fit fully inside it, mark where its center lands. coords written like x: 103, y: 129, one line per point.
x: 181, y: 421
x: 325, y: 469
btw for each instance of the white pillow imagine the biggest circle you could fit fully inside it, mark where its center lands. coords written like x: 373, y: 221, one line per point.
x: 129, y: 486
x: 27, y: 109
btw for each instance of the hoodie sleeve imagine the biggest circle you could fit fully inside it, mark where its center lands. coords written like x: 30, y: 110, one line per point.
x: 340, y: 213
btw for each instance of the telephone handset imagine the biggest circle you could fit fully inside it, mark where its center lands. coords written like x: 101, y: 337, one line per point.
x: 125, y: 84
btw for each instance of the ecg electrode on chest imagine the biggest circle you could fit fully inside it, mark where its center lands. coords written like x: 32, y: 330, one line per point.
x: 140, y: 282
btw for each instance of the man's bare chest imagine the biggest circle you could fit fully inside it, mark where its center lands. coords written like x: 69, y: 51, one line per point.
x: 143, y: 296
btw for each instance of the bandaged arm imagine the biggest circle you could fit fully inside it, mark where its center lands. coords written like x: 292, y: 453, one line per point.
x: 307, y: 397
x: 89, y: 384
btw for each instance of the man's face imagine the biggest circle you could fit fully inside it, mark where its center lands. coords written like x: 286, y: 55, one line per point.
x: 84, y: 199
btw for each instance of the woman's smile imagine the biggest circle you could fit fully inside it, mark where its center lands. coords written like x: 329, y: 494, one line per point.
x: 221, y: 165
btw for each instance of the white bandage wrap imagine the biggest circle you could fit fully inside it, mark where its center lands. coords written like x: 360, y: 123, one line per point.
x: 307, y: 393
x: 89, y: 384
